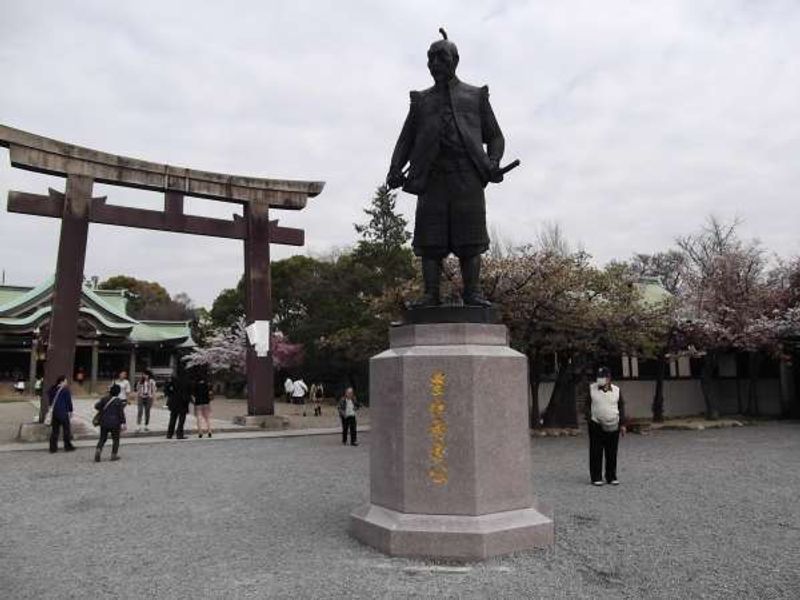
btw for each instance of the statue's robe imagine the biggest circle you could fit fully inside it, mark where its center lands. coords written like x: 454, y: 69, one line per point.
x: 443, y: 139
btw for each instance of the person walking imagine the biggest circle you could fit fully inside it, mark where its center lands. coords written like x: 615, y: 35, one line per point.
x: 145, y: 394
x: 112, y: 422
x: 316, y: 397
x: 288, y: 387
x: 124, y: 386
x: 605, y: 413
x: 202, y: 406
x: 299, y: 391
x: 348, y: 405
x: 61, y: 406
x: 178, y: 398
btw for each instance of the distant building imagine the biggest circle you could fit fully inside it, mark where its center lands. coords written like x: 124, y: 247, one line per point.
x: 108, y: 339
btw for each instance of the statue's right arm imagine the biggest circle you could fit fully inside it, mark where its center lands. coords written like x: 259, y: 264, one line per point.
x: 402, y: 150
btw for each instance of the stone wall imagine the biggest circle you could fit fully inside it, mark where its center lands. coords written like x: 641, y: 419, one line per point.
x: 684, y: 397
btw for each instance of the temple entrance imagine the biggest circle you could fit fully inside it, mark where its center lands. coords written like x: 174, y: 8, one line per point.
x: 76, y: 208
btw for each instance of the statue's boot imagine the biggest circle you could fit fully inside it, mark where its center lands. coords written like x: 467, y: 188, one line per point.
x: 431, y: 270
x: 471, y: 275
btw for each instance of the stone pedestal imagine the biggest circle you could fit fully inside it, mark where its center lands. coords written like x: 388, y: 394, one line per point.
x: 450, y: 463
x: 33, y: 432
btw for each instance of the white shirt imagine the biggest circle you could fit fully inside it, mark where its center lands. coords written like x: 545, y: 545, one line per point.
x: 605, y: 406
x: 147, y: 389
x: 349, y: 408
x: 288, y: 385
x: 124, y: 388
x: 299, y: 388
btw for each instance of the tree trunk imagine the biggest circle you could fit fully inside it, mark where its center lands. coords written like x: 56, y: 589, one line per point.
x: 739, y: 406
x: 658, y: 396
x: 561, y: 411
x: 707, y: 385
x: 533, y: 382
x: 754, y: 359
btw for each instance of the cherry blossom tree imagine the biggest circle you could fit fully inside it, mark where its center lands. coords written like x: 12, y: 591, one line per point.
x: 225, y: 353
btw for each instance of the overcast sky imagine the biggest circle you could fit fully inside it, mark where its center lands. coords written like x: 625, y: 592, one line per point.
x: 633, y: 120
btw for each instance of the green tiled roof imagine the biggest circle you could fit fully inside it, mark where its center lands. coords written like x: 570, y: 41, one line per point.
x: 28, y: 298
x: 161, y: 331
x: 8, y: 293
x: 116, y: 298
x: 23, y: 309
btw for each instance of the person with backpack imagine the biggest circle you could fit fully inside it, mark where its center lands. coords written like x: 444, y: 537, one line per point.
x: 145, y: 394
x: 111, y: 419
x: 61, y: 413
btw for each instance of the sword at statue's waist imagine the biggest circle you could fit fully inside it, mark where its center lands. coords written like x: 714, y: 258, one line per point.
x: 509, y: 167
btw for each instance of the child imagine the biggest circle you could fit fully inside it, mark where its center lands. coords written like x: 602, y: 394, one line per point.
x: 112, y: 420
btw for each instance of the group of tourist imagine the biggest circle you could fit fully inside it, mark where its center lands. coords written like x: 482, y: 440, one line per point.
x: 110, y: 416
x: 605, y: 415
x: 297, y: 390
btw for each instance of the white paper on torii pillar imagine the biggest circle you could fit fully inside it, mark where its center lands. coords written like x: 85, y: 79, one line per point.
x: 258, y: 336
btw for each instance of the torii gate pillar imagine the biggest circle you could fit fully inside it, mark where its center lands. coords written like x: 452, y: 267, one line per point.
x: 69, y: 280
x: 258, y: 305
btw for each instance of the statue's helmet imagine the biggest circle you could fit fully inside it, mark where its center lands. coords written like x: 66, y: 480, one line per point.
x: 444, y: 45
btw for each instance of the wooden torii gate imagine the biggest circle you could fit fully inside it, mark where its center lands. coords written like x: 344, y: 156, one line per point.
x: 76, y: 208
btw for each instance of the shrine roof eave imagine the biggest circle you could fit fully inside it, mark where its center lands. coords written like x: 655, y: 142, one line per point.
x: 28, y: 298
x: 164, y: 332
x: 44, y: 155
x: 30, y: 323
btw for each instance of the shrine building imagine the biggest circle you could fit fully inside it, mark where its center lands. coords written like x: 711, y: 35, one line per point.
x: 108, y: 340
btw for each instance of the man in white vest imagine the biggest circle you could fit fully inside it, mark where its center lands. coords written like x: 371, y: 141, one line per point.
x: 605, y: 413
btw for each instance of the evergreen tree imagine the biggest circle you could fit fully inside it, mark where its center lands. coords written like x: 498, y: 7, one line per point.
x: 386, y: 230
x: 383, y: 248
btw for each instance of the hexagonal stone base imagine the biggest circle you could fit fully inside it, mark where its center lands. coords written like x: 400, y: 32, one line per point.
x: 451, y: 537
x: 450, y: 456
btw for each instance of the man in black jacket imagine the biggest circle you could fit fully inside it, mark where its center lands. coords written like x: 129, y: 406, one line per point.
x: 443, y: 140
x: 178, y: 398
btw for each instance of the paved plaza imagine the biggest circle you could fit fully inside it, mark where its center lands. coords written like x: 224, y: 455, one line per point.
x: 223, y: 412
x: 710, y: 514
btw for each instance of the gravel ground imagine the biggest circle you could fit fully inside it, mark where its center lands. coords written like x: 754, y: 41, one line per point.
x: 711, y: 514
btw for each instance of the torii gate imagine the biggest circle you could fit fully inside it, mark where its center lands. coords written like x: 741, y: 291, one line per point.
x: 76, y: 208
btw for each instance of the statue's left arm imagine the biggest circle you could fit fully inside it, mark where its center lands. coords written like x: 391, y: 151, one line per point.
x: 490, y: 131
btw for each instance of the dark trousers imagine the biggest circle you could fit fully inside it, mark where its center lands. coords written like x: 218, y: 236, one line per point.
x: 104, y: 431
x: 600, y: 443
x: 57, y: 425
x: 180, y: 419
x: 349, y: 424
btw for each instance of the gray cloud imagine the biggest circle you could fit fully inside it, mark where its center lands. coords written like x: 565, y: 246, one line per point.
x: 633, y: 120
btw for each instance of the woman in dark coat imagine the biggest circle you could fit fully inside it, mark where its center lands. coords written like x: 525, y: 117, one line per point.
x: 178, y: 398
x: 112, y: 421
x: 61, y: 407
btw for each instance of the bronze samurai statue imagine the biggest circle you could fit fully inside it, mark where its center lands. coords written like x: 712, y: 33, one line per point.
x: 443, y: 139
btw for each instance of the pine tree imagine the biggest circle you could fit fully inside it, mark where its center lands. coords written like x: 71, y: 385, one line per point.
x: 386, y: 229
